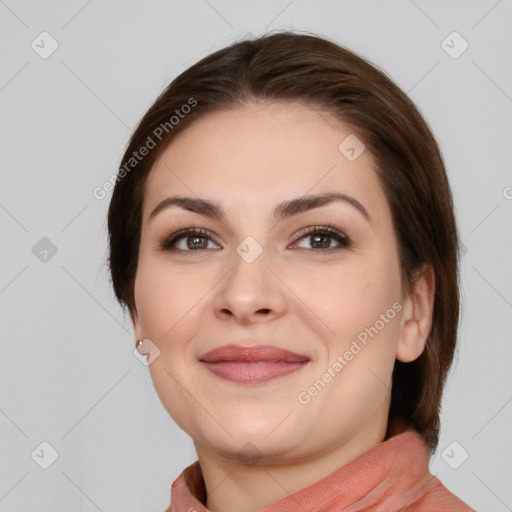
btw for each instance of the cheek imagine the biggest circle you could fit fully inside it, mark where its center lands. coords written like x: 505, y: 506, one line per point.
x: 167, y: 298
x: 350, y: 299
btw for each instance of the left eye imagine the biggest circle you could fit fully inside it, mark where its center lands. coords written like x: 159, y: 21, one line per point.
x: 321, y: 237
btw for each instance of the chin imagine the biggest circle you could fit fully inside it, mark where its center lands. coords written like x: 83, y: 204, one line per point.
x: 251, y: 448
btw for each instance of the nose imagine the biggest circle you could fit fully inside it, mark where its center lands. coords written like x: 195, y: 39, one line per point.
x: 251, y: 292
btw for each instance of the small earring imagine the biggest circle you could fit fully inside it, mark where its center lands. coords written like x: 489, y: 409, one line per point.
x: 139, y: 343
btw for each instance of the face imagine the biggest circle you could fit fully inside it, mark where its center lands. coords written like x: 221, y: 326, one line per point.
x: 254, y: 277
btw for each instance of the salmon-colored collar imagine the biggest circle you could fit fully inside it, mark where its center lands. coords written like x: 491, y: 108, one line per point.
x: 394, y: 475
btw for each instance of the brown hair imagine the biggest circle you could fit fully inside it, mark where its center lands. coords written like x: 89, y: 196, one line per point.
x: 292, y: 66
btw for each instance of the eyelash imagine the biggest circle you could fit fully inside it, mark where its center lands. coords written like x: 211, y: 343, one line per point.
x: 167, y: 241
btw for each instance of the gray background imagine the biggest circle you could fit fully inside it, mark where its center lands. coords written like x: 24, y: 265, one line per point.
x: 68, y: 373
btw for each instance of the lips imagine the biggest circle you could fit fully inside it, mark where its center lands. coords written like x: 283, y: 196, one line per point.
x: 252, y: 365
x: 252, y: 354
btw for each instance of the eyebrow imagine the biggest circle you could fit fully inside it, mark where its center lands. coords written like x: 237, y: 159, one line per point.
x: 282, y: 211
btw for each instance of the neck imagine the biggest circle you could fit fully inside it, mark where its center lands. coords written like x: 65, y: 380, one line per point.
x: 236, y: 487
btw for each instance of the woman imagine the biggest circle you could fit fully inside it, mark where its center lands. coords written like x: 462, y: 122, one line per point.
x: 283, y: 236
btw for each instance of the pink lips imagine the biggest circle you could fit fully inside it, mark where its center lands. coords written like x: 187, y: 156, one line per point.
x: 252, y: 364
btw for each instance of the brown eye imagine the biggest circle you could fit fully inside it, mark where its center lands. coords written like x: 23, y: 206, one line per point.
x: 195, y: 239
x: 190, y: 240
x: 320, y: 237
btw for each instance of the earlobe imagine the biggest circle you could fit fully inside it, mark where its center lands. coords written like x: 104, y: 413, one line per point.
x: 417, y: 314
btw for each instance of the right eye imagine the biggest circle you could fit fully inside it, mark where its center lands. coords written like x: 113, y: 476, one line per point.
x: 194, y: 240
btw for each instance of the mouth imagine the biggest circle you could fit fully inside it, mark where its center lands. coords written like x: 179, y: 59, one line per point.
x: 252, y: 365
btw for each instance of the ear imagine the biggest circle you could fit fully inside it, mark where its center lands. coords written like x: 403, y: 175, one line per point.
x: 135, y: 323
x: 417, y: 314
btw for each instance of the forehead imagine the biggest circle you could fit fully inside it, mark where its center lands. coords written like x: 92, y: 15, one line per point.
x: 262, y: 153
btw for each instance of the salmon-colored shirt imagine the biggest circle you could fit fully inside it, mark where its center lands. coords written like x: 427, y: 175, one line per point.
x: 392, y: 476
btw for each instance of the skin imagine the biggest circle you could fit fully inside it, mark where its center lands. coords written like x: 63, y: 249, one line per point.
x: 292, y: 296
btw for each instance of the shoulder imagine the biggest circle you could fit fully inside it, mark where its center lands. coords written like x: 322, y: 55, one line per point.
x: 435, y: 497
